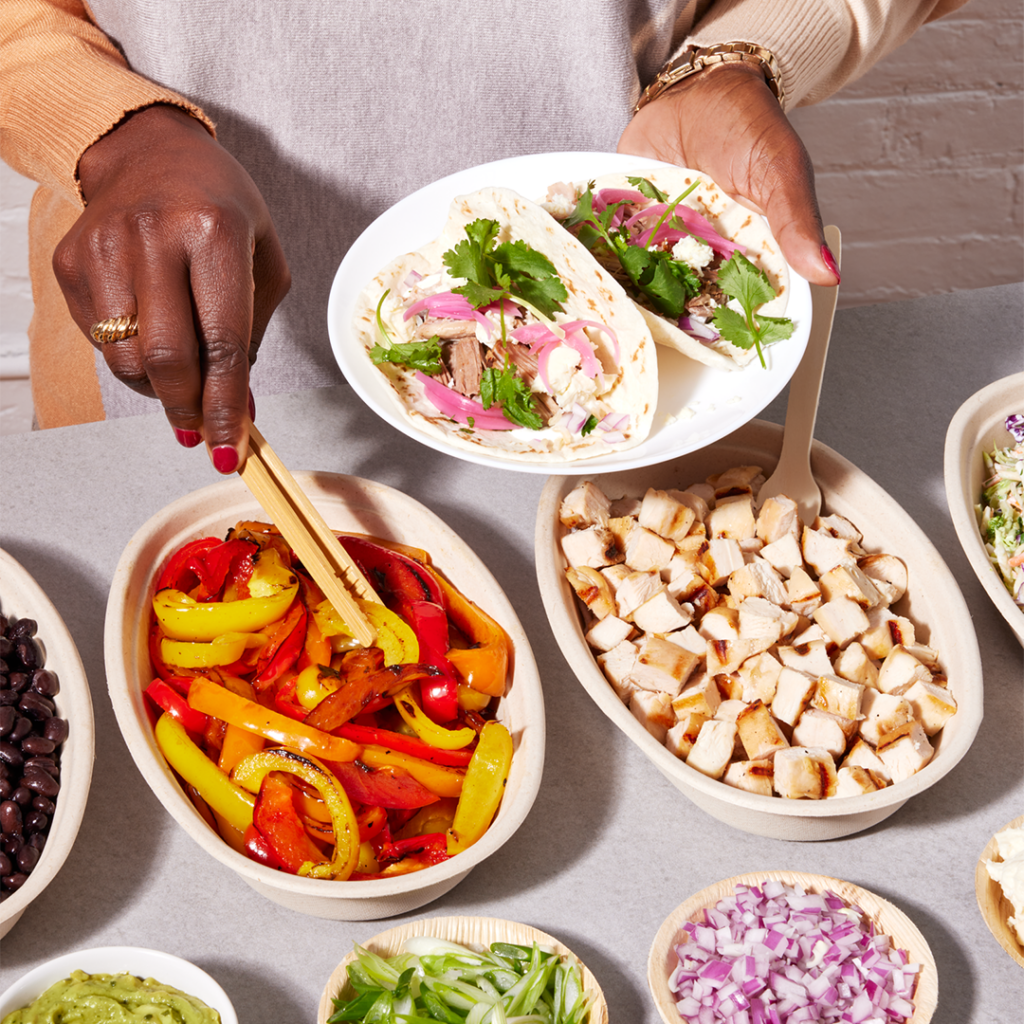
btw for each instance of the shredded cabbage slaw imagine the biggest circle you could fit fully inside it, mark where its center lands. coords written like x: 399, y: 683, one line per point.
x: 1001, y: 510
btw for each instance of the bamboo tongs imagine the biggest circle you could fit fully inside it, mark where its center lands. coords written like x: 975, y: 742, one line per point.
x: 304, y: 528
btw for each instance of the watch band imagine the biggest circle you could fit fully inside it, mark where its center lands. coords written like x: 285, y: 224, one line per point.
x: 697, y: 58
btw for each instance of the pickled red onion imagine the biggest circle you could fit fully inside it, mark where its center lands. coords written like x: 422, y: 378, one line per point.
x: 597, y: 325
x: 461, y: 408
x: 694, y: 223
x: 448, y: 305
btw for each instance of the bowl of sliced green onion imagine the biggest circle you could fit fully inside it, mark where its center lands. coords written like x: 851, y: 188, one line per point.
x: 431, y: 967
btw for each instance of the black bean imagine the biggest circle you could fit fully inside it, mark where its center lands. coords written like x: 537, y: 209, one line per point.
x: 8, y: 696
x: 7, y: 718
x: 35, y: 821
x: 28, y: 857
x: 38, y: 840
x: 12, y: 844
x: 44, y: 804
x: 28, y: 651
x: 40, y: 782
x: 6, y: 787
x: 10, y: 817
x: 36, y: 706
x: 22, y: 795
x: 11, y: 754
x: 37, y: 745
x: 22, y: 628
x: 5, y: 864
x: 5, y: 646
x: 45, y: 682
x: 15, y: 881
x: 19, y: 681
x: 21, y: 728
x: 56, y: 729
x: 47, y: 764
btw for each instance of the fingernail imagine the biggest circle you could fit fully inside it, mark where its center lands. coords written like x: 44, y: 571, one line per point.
x: 830, y: 261
x: 188, y: 438
x: 225, y: 459
x: 252, y: 406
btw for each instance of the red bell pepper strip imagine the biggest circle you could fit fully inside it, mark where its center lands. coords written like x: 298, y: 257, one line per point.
x: 284, y: 647
x: 430, y: 849
x: 230, y: 561
x: 280, y: 825
x: 393, y: 575
x: 362, y: 735
x: 439, y: 696
x: 285, y: 701
x: 382, y: 787
x: 259, y: 850
x: 169, y: 700
x: 371, y: 821
x: 183, y: 571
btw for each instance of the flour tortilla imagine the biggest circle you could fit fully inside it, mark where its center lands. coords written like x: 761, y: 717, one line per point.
x: 731, y: 221
x: 593, y: 295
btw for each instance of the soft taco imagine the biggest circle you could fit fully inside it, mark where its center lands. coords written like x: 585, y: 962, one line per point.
x: 505, y: 336
x: 706, y: 272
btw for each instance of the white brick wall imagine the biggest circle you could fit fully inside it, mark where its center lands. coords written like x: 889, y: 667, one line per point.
x: 920, y: 164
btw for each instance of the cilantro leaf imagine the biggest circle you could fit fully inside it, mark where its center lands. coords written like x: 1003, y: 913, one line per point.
x: 749, y: 286
x: 589, y: 426
x: 417, y: 355
x: 513, y: 395
x: 648, y: 189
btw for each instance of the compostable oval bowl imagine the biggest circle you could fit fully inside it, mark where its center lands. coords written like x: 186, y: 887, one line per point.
x: 887, y: 918
x: 347, y: 504
x: 21, y: 596
x: 933, y: 601
x: 979, y: 426
x: 476, y: 933
x: 996, y: 909
x: 142, y: 963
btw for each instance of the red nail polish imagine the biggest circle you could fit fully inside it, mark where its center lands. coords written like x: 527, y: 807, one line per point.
x: 225, y: 459
x: 830, y: 261
x: 252, y: 406
x: 188, y: 438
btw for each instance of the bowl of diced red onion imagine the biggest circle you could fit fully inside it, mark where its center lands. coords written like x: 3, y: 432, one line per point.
x: 782, y: 946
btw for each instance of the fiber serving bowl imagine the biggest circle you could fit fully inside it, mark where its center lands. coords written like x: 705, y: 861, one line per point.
x: 979, y: 426
x: 887, y: 918
x: 996, y: 909
x: 22, y: 597
x: 475, y: 932
x: 142, y: 963
x: 933, y: 601
x: 347, y: 504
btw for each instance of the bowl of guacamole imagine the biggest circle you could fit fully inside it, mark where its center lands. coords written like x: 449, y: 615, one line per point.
x: 116, y: 985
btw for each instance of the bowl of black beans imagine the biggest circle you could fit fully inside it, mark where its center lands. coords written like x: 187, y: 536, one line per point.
x: 46, y: 741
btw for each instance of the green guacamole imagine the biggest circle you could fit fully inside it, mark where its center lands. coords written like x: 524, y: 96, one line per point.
x: 113, y: 999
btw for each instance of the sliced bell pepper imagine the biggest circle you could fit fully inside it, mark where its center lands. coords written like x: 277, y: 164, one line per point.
x: 364, y: 734
x: 392, y: 574
x: 428, y: 849
x: 283, y: 648
x: 171, y: 701
x: 225, y: 649
x: 220, y: 702
x: 238, y: 743
x: 484, y: 666
x: 483, y: 787
x: 317, y: 648
x: 229, y: 564
x: 259, y: 850
x: 181, y: 572
x: 315, y: 683
x: 385, y: 786
x: 286, y: 700
x: 250, y: 774
x: 436, y: 817
x: 371, y: 821
x: 232, y: 802
x: 429, y: 731
x: 280, y: 825
x: 438, y: 778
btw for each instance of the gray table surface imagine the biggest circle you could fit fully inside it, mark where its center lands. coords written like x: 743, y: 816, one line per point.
x: 593, y: 863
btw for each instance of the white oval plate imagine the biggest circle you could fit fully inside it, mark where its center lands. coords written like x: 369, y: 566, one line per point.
x: 696, y: 404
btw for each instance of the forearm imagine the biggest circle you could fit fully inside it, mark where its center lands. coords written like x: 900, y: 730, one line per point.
x: 63, y: 86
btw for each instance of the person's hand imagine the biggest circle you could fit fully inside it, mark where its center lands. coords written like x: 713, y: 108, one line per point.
x: 726, y: 122
x: 176, y: 231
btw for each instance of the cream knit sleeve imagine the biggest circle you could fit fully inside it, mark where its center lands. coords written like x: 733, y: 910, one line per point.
x: 63, y: 85
x: 820, y: 44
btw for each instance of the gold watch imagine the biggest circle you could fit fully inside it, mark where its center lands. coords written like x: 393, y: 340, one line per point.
x: 697, y: 58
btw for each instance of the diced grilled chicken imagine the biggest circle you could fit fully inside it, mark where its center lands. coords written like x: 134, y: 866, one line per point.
x: 720, y: 623
x: 606, y: 633
x: 933, y: 705
x: 823, y: 551
x: 862, y: 754
x: 646, y: 551
x: 585, y: 505
x: 594, y: 546
x: 816, y: 728
x: 841, y: 619
x: 759, y: 732
x: 615, y: 574
x: 732, y: 518
x: 760, y: 617
x: 636, y: 589
x: 728, y: 711
x: 853, y: 663
x: 811, y: 633
x: 661, y: 614
x: 622, y: 527
x: 726, y: 656
x: 838, y: 697
x: 682, y: 736
x: 888, y: 573
x: 592, y: 589
x: 693, y: 499
x: 653, y: 710
x: 625, y: 508
x: 839, y: 526
x: 701, y: 696
x: 737, y: 480
x: 784, y: 554
x: 757, y: 579
x: 803, y: 595
x: 750, y: 776
x: 760, y: 676
x: 618, y: 664
x: 849, y: 581
x: 883, y: 713
x: 722, y: 558
x: 713, y: 750
x: 804, y: 773
x: 811, y: 658
x: 900, y: 670
x: 778, y: 519
x: 877, y: 639
x: 689, y: 638
x: 905, y: 751
x: 665, y: 516
x: 730, y: 687
x: 662, y: 665
x: 852, y: 780
x: 793, y: 692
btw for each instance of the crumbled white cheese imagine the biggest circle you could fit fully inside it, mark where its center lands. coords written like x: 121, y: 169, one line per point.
x: 693, y: 253
x: 559, y: 206
x: 1009, y: 873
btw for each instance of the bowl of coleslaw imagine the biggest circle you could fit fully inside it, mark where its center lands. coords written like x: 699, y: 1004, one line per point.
x: 984, y: 475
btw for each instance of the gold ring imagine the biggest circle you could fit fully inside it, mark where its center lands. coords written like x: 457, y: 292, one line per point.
x: 115, y: 328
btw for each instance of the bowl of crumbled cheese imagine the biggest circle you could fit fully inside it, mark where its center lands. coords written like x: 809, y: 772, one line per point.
x: 999, y: 887
x: 795, y: 680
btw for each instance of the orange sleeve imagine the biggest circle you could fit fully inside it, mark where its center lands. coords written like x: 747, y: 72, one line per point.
x: 63, y: 85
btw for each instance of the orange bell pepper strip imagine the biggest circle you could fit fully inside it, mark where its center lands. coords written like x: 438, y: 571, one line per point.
x: 485, y: 665
x: 483, y: 788
x: 220, y: 702
x: 438, y: 778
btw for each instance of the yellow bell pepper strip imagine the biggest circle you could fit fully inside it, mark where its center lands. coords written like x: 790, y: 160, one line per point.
x: 367, y: 864
x: 484, y: 666
x: 220, y: 702
x: 230, y: 834
x: 314, y: 684
x: 250, y: 774
x: 483, y: 788
x: 394, y: 635
x: 223, y: 650
x: 225, y: 798
x: 438, y: 778
x: 183, y: 618
x: 238, y: 743
x: 429, y: 731
x: 436, y: 817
